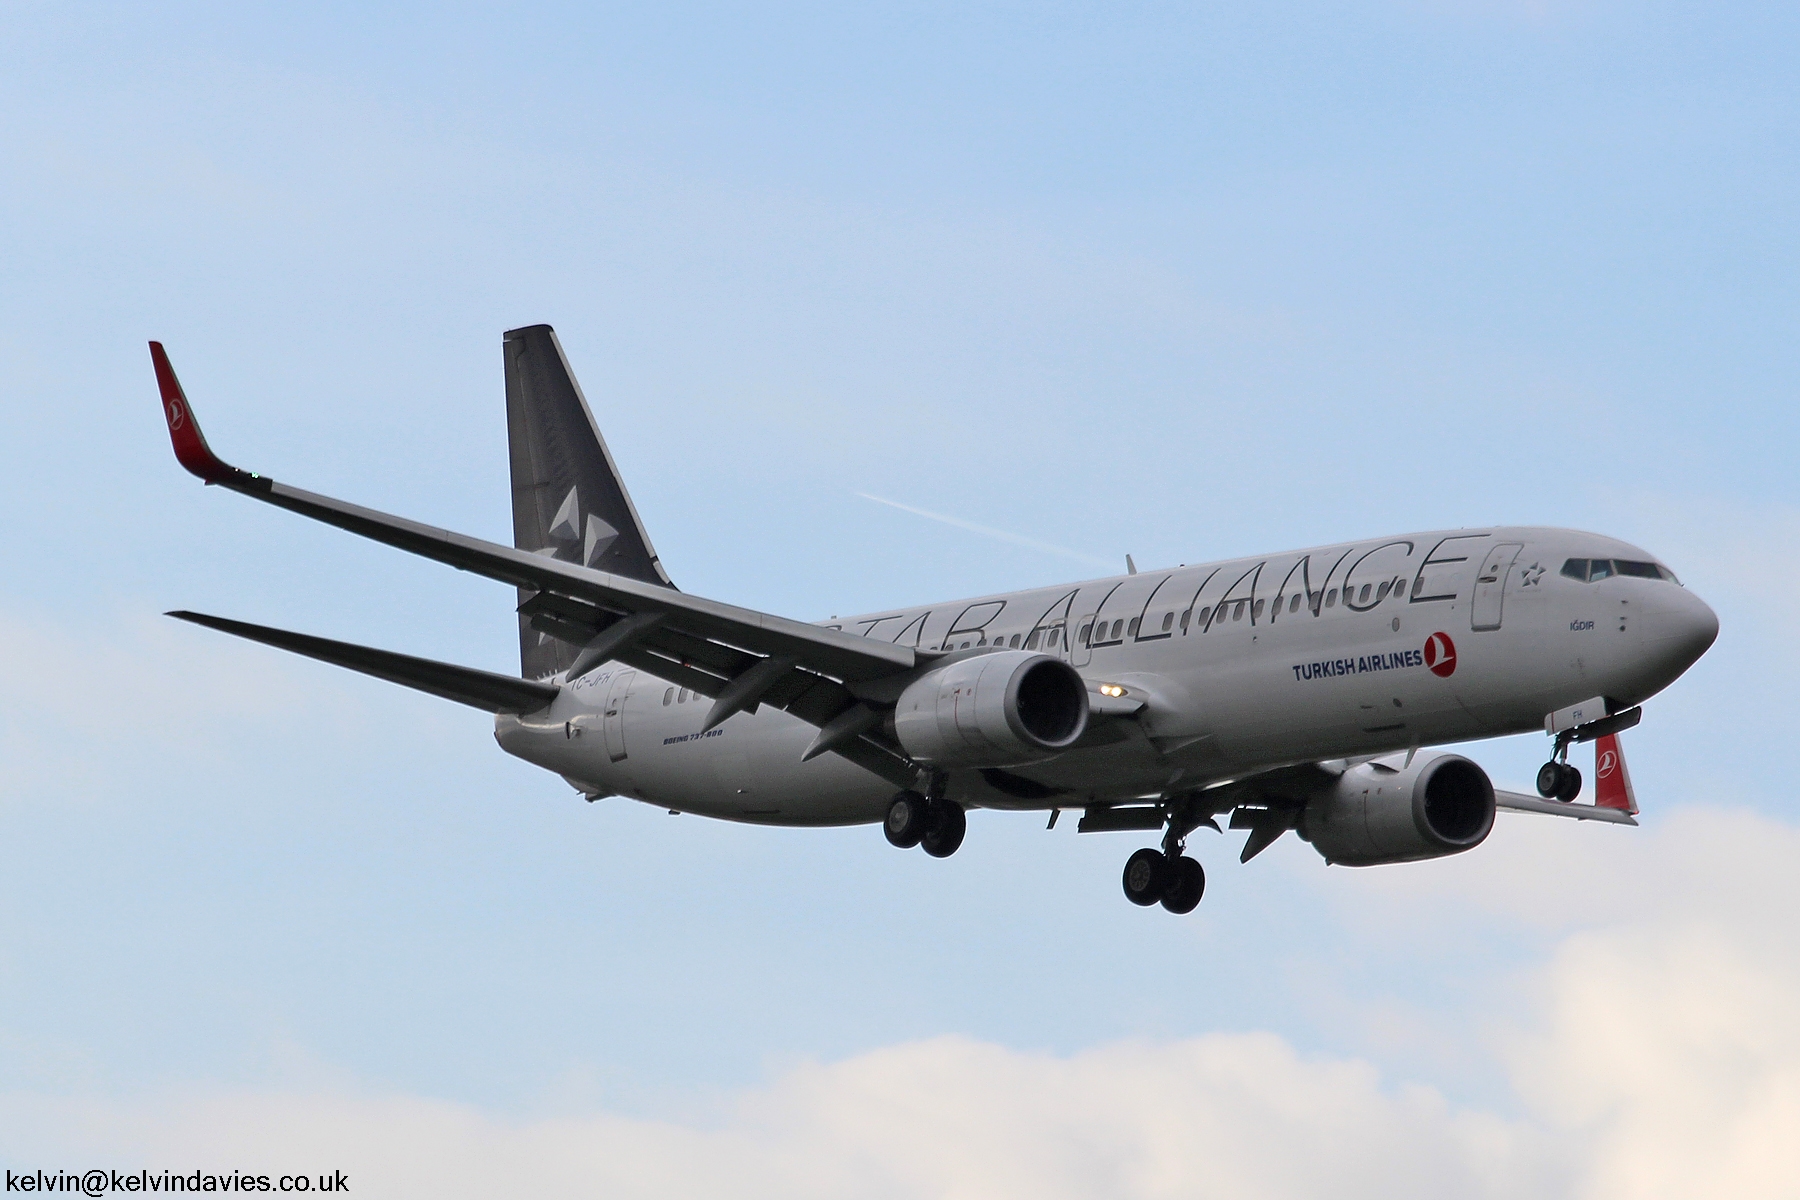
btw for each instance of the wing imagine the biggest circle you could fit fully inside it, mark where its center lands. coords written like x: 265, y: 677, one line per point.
x: 738, y: 657
x: 1520, y: 802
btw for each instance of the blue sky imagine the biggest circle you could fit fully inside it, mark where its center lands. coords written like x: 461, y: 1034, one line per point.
x: 1177, y: 281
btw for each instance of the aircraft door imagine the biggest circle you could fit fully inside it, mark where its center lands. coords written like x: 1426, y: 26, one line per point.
x: 614, y: 715
x: 1490, y: 585
x: 1080, y: 653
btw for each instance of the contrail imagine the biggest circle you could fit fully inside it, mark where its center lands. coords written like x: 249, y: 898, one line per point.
x: 987, y: 531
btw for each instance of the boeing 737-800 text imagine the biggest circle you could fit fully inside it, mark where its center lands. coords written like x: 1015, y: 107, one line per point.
x: 1288, y: 691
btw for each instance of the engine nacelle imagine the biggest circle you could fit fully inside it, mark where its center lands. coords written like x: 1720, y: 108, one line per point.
x: 1004, y: 709
x: 1379, y: 813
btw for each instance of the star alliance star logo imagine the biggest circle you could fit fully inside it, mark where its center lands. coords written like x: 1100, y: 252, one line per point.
x: 587, y: 540
x: 1530, y: 575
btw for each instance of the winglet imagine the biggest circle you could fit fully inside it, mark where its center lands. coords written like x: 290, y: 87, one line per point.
x: 191, y: 449
x: 1612, y: 781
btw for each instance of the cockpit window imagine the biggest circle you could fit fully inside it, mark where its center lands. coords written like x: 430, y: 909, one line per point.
x: 1592, y: 570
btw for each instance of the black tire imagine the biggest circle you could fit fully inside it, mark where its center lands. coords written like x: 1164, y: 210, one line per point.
x: 1570, y: 787
x: 944, y: 831
x: 1145, y: 872
x: 1549, y: 780
x: 1184, y: 887
x: 907, y: 818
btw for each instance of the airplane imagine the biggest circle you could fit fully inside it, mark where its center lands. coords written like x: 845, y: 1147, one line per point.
x: 1299, y: 690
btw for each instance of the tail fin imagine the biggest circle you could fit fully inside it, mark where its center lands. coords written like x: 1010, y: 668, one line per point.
x: 568, y: 500
x: 1612, y: 782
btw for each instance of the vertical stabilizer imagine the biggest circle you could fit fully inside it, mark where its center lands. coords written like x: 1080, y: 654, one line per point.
x: 568, y: 500
x: 1612, y: 782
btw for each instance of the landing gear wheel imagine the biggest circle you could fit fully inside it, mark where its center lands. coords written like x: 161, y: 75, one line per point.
x: 1145, y: 872
x: 1185, y: 884
x: 1570, y: 787
x: 1550, y: 779
x: 907, y: 819
x: 944, y: 829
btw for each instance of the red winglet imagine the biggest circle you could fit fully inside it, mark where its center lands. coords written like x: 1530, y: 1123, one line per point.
x: 1612, y: 782
x: 191, y: 449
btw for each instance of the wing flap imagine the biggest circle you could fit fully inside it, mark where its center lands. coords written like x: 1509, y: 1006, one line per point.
x: 465, y: 685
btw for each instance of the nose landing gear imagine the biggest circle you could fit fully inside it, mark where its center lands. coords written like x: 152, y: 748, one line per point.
x: 1557, y: 780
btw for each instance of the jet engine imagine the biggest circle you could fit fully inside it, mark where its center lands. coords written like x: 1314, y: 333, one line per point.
x: 1381, y: 813
x: 1003, y: 709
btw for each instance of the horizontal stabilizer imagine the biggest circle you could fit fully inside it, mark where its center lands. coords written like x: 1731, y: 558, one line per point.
x: 465, y: 685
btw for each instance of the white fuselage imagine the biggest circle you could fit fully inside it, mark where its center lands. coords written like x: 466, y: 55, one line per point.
x: 1243, y: 666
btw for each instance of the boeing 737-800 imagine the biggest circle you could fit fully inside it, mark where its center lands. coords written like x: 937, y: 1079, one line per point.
x: 1285, y: 691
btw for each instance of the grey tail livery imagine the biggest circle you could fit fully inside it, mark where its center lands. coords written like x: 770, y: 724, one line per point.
x: 568, y: 500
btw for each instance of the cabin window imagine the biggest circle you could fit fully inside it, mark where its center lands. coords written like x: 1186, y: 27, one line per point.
x: 1294, y: 604
x: 1014, y: 643
x: 1362, y: 597
x: 1418, y: 585
x: 1237, y: 613
x: 1256, y: 611
x: 1118, y: 630
x: 964, y: 646
x: 1031, y: 643
x: 668, y: 697
x: 1168, y: 621
x: 1331, y: 598
x: 1132, y: 629
x: 1186, y: 616
x: 1382, y: 593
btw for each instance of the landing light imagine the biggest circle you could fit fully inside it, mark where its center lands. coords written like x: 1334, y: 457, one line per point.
x: 1111, y: 689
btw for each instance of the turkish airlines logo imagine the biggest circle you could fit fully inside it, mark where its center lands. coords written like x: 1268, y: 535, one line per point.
x: 1440, y: 655
x: 177, y: 415
x: 1609, y: 762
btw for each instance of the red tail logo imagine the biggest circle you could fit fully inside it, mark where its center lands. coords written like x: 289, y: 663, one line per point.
x: 1440, y: 655
x: 177, y: 415
x: 1612, y: 781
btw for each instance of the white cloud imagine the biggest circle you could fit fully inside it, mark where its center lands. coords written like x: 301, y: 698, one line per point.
x: 1657, y: 1058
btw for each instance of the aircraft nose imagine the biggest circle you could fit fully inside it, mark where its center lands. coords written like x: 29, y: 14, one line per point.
x: 1685, y: 628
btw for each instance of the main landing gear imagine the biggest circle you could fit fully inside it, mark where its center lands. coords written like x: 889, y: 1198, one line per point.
x: 1167, y: 876
x: 1151, y: 876
x: 932, y: 821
